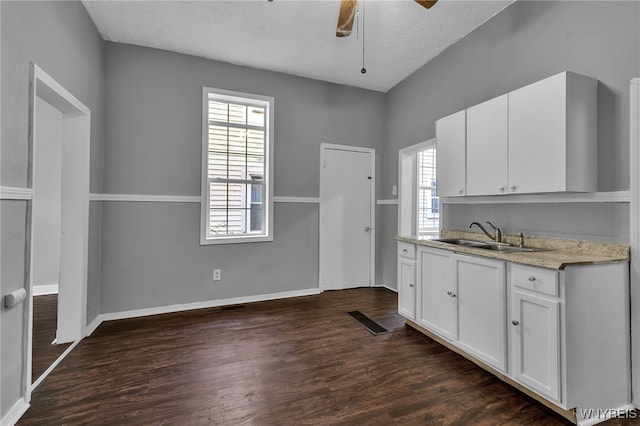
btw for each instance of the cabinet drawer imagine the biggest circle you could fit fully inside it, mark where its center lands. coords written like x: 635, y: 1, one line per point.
x: 407, y: 250
x: 536, y: 279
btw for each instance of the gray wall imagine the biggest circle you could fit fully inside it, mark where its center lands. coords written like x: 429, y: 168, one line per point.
x: 61, y: 39
x: 151, y: 252
x: 526, y: 42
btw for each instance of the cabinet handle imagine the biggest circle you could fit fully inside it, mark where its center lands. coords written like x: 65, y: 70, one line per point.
x: 502, y: 188
x: 514, y: 322
x: 514, y: 188
x: 452, y: 294
x: 461, y: 191
x: 405, y: 250
x: 532, y: 278
x: 410, y: 285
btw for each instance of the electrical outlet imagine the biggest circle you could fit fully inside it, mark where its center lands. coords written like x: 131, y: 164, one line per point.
x: 217, y: 274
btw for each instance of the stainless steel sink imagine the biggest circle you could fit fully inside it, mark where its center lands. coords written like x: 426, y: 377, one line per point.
x: 490, y: 245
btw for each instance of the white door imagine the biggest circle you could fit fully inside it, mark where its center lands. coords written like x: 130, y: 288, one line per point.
x: 406, y: 288
x: 537, y: 137
x: 437, y: 294
x: 346, y: 217
x: 487, y: 147
x: 481, y: 320
x: 451, y: 154
x: 536, y: 331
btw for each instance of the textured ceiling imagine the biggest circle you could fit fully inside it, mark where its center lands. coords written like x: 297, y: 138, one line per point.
x: 298, y: 36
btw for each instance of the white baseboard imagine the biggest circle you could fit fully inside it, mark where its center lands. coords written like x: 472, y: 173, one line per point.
x: 43, y: 290
x: 89, y: 329
x: 54, y: 365
x: 387, y: 287
x: 15, y: 412
x: 208, y: 304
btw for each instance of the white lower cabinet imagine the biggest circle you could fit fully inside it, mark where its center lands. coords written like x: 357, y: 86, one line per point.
x: 569, y: 338
x: 536, y: 342
x: 462, y: 298
x: 436, y: 291
x: 481, y: 316
x: 407, y: 288
x: 562, y: 334
x: 406, y: 281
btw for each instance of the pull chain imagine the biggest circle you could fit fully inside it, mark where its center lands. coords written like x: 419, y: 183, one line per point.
x: 363, y: 70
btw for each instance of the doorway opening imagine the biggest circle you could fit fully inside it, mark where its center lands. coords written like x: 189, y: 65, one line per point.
x: 58, y: 222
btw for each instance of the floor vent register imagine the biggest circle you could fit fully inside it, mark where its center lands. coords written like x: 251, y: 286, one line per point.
x: 373, y: 327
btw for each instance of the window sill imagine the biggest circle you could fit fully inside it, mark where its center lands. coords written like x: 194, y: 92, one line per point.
x: 236, y: 240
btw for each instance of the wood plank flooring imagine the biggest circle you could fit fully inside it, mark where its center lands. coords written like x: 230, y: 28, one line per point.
x: 45, y: 323
x: 300, y: 361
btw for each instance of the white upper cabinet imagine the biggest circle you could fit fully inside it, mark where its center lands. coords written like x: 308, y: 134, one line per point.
x: 553, y: 135
x: 487, y: 147
x: 541, y: 138
x: 451, y: 155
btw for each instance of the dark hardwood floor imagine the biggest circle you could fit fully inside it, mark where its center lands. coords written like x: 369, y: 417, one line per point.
x: 45, y: 320
x: 299, y: 361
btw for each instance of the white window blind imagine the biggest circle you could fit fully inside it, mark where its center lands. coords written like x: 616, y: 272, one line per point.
x: 428, y: 202
x: 236, y: 167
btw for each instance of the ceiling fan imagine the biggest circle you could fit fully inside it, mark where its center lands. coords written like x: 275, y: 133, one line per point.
x: 348, y: 13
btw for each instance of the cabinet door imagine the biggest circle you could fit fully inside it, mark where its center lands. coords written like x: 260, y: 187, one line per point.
x: 487, y: 147
x: 407, y: 288
x: 451, y: 155
x: 537, y: 137
x: 481, y: 317
x: 436, y: 292
x: 535, y: 336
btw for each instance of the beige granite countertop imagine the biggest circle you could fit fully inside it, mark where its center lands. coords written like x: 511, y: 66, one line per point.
x: 563, y: 253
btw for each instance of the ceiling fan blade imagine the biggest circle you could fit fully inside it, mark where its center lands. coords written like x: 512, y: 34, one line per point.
x: 426, y: 3
x: 345, y: 18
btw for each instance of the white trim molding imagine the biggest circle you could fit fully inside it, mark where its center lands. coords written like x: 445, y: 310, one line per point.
x: 185, y: 198
x: 15, y: 412
x: 207, y: 304
x: 634, y: 236
x: 385, y: 286
x: 146, y: 198
x: 54, y: 365
x: 391, y: 202
x: 304, y: 200
x: 43, y: 290
x: 590, y: 197
x: 14, y: 193
x: 89, y: 329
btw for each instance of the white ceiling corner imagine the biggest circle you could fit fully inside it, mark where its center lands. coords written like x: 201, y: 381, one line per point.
x: 297, y: 36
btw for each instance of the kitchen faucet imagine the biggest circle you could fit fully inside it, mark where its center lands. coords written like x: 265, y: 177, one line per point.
x: 497, y: 237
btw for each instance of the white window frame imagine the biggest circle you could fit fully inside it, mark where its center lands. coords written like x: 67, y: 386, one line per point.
x: 267, y: 201
x: 408, y: 189
x: 430, y: 231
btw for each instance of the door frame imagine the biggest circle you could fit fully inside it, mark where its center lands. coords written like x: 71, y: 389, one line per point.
x: 634, y: 230
x: 407, y: 178
x: 322, y: 237
x: 75, y: 203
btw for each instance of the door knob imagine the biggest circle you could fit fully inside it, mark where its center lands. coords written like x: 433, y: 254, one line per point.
x: 514, y: 322
x: 367, y: 228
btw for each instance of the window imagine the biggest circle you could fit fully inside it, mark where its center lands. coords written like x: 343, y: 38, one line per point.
x: 237, y: 146
x: 428, y: 202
